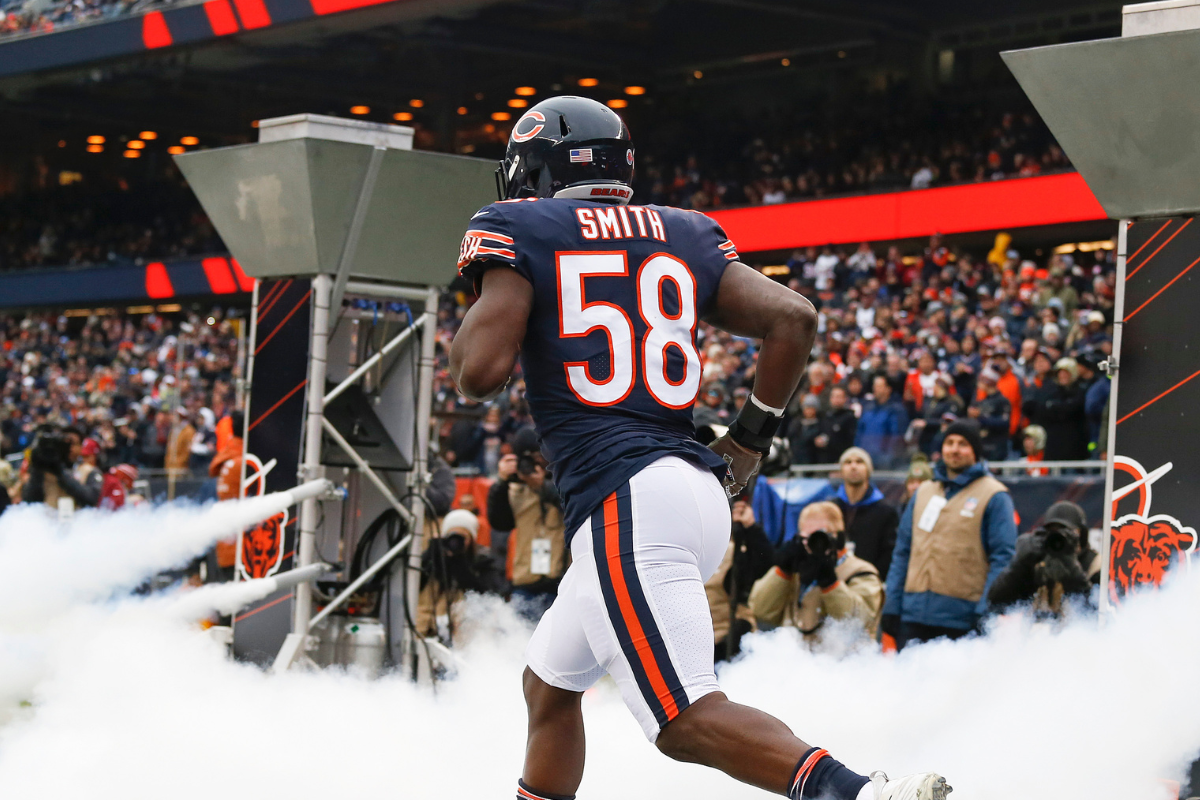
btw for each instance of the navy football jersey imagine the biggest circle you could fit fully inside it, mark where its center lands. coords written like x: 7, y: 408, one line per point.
x: 610, y: 360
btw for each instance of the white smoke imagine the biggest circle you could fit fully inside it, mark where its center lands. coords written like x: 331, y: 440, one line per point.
x: 110, y: 696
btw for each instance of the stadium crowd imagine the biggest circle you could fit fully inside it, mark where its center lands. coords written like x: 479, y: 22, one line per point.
x: 147, y: 391
x: 20, y: 16
x: 81, y: 223
x: 874, y: 149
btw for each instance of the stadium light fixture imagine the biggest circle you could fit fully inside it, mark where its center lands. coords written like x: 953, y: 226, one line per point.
x: 635, y: 90
x: 176, y: 150
x: 462, y: 111
x: 402, y: 116
x: 190, y: 141
x: 360, y: 110
x: 517, y: 102
x: 95, y: 140
x: 787, y: 62
x: 697, y: 74
x: 148, y: 136
x: 587, y: 82
x: 526, y: 91
x: 501, y: 116
x: 136, y: 144
x: 133, y: 154
x: 416, y: 103
x: 618, y: 102
x: 95, y: 148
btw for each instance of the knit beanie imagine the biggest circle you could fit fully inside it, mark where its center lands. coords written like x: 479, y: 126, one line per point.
x: 969, y: 430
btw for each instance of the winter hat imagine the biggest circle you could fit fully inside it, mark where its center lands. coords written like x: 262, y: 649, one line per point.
x: 969, y: 430
x: 860, y: 453
x: 1038, y: 434
x: 460, y: 520
x: 1067, y: 513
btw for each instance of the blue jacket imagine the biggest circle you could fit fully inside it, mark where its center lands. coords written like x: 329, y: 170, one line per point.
x: 880, y: 429
x: 998, y: 529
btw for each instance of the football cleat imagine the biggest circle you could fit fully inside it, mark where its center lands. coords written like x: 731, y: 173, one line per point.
x: 918, y: 786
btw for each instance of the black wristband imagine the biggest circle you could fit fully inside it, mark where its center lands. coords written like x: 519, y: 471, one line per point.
x: 754, y: 428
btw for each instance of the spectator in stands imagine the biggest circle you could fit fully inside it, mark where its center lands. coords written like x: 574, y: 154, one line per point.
x: 941, y: 403
x: 803, y: 432
x: 1007, y: 384
x: 711, y: 408
x: 1033, y: 445
x: 1059, y: 409
x: 1057, y: 288
x: 870, y: 521
x: 956, y: 535
x: 838, y: 427
x: 882, y: 424
x: 524, y: 501
x: 747, y: 557
x: 992, y: 411
x: 816, y: 578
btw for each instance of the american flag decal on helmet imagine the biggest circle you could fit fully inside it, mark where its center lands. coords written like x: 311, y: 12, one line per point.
x: 477, y: 244
x: 582, y: 156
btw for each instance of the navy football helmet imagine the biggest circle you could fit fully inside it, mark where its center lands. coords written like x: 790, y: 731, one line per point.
x: 568, y: 147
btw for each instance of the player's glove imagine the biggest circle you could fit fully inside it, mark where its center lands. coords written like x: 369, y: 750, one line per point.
x: 742, y: 462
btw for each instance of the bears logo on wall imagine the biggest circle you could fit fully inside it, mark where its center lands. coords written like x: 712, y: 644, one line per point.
x: 1145, y: 547
x: 261, y: 550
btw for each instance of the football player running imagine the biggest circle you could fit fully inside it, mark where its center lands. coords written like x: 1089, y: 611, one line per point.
x: 600, y: 300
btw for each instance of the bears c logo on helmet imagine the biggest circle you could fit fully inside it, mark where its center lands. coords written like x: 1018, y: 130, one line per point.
x: 528, y: 126
x: 1144, y: 548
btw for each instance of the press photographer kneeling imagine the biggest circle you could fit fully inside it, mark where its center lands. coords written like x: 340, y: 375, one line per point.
x: 1051, y: 563
x: 817, y: 578
x: 451, y: 566
x: 50, y: 481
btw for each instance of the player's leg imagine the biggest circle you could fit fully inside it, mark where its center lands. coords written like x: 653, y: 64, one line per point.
x: 554, y: 749
x: 655, y: 541
x: 561, y: 667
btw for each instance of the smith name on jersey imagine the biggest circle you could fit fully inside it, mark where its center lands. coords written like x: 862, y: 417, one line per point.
x: 609, y: 356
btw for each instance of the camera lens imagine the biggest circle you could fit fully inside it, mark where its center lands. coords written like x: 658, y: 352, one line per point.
x: 820, y: 543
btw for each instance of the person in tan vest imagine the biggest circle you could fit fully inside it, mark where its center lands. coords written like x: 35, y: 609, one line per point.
x: 525, y: 502
x: 957, y: 535
x: 747, y: 557
x: 817, y: 578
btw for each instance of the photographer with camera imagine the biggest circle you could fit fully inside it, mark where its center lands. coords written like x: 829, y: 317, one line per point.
x: 451, y: 566
x: 747, y: 557
x: 525, y: 502
x: 50, y: 481
x: 1052, y: 562
x: 816, y: 578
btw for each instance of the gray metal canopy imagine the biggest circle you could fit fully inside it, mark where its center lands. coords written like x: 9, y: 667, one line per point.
x: 1126, y: 113
x: 288, y: 204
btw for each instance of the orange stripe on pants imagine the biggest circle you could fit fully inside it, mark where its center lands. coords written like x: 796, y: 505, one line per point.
x: 612, y: 548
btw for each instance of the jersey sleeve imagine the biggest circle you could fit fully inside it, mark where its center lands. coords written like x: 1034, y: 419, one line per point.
x: 490, y: 240
x: 713, y: 251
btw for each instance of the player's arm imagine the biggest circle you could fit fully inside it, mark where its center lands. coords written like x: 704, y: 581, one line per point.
x: 485, y: 348
x: 750, y: 304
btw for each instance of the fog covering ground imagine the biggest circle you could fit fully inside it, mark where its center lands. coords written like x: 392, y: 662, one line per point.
x: 106, y: 695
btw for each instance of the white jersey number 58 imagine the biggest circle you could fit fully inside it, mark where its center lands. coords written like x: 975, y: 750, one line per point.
x: 578, y: 317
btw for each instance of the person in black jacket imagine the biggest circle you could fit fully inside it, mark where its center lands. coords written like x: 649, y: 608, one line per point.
x: 870, y: 521
x: 747, y: 558
x: 1059, y: 408
x: 934, y: 410
x: 838, y: 427
x: 804, y: 430
x: 992, y: 412
x: 1051, y: 563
